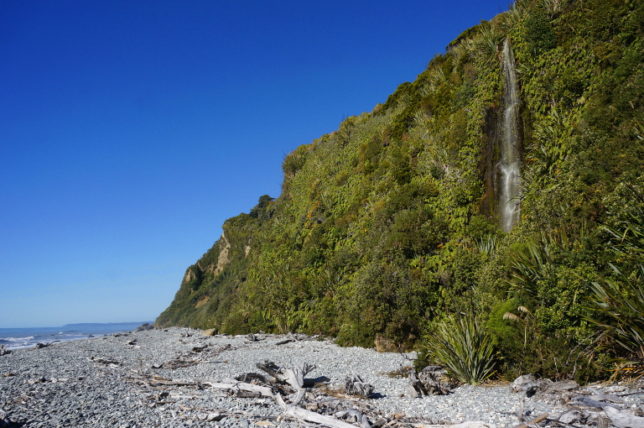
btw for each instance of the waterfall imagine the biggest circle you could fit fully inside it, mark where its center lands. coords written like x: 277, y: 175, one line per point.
x: 509, y: 171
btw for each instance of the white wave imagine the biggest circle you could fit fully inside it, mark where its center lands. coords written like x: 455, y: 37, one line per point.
x: 17, y: 339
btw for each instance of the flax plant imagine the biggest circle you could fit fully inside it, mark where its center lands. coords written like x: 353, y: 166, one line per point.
x: 464, y: 348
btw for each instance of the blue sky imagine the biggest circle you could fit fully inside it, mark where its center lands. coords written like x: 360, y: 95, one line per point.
x: 130, y: 130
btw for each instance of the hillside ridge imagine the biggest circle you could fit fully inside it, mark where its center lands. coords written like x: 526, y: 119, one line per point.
x: 394, y: 223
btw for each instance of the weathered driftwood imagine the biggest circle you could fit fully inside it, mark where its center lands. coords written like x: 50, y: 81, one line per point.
x: 252, y: 377
x: 4, y: 351
x: 293, y: 377
x: 105, y: 361
x: 309, y: 416
x: 289, y: 410
x: 626, y: 394
x: 199, y: 348
x: 272, y: 369
x: 197, y: 355
x: 177, y: 363
x: 242, y: 389
x: 165, y: 383
x: 286, y: 386
x: 589, y: 402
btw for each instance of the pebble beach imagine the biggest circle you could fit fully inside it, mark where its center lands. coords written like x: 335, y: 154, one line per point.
x: 165, y: 378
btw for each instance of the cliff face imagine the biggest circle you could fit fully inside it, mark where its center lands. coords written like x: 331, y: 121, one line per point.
x: 393, y: 220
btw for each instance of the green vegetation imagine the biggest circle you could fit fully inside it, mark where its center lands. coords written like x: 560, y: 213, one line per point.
x: 388, y: 226
x: 620, y: 297
x: 464, y: 348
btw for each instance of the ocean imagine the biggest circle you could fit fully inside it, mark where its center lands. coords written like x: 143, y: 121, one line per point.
x: 13, y: 338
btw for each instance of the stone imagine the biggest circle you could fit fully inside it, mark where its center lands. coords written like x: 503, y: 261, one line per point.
x: 214, y: 417
x: 523, y: 383
x: 529, y: 385
x: 435, y: 380
x: 412, y: 392
x: 354, y: 385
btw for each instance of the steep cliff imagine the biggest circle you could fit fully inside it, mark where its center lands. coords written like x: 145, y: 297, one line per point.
x: 397, y: 218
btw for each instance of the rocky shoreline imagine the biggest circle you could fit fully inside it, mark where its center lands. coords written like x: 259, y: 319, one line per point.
x: 180, y: 377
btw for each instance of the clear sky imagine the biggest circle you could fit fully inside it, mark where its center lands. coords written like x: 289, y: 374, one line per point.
x: 130, y: 130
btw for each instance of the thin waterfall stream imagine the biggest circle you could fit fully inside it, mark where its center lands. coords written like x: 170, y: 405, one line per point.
x: 509, y: 166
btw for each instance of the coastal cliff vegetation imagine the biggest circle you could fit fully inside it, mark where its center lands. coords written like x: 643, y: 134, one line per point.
x: 389, y: 229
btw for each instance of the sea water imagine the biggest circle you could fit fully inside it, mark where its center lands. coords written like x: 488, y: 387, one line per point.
x: 13, y: 338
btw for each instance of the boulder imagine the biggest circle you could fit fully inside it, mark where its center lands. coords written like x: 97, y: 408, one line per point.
x: 435, y: 380
x: 523, y: 383
x: 432, y: 380
x: 529, y: 385
x: 354, y: 385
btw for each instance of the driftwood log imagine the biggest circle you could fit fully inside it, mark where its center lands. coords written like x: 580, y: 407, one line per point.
x: 309, y: 416
x: 295, y: 379
x: 289, y: 389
